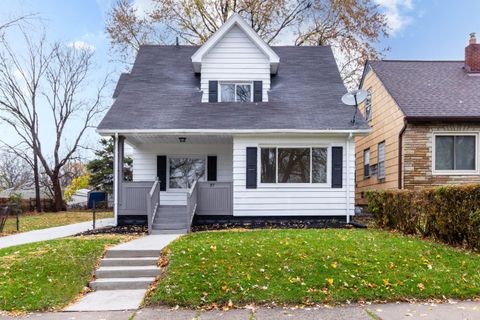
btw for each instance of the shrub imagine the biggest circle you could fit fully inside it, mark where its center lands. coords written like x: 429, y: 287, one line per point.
x: 449, y: 213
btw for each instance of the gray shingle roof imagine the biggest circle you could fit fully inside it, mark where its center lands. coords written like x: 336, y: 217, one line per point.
x: 162, y: 92
x: 431, y: 89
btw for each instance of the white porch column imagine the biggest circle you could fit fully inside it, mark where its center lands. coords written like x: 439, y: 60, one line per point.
x: 115, y: 177
x: 347, y: 176
x: 118, y: 156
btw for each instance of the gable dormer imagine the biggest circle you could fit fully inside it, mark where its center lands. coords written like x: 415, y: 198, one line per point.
x: 235, y: 64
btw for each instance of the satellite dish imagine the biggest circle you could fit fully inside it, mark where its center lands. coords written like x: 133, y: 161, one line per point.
x: 353, y: 98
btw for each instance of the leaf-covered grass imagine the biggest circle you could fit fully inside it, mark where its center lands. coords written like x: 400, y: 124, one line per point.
x: 309, y: 266
x: 29, y: 222
x: 48, y: 275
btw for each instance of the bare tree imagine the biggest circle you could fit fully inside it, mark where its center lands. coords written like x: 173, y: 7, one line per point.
x: 50, y: 78
x: 352, y: 27
x: 15, y: 173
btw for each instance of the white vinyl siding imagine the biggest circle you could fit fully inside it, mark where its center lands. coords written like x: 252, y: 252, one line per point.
x: 288, y: 199
x: 145, y: 164
x: 235, y: 58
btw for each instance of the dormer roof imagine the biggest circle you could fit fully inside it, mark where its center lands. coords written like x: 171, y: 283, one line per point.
x: 235, y: 20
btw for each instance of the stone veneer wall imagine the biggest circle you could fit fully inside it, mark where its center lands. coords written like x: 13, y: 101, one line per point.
x: 417, y: 155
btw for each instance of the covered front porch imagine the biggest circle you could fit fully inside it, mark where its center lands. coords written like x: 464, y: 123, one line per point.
x: 175, y: 176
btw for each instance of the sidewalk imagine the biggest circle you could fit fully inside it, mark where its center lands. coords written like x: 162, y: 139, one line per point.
x: 465, y: 310
x: 51, y: 233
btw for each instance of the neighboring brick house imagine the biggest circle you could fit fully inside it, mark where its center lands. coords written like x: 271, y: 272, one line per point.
x: 425, y: 120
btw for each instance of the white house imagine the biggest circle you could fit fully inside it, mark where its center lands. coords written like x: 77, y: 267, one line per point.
x: 233, y: 127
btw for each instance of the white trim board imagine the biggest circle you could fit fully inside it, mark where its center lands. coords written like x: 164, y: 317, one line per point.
x: 232, y: 131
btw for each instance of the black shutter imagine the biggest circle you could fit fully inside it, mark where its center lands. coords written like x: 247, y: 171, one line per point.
x: 212, y: 168
x: 251, y: 182
x: 257, y: 91
x: 212, y: 91
x: 162, y: 172
x: 337, y: 167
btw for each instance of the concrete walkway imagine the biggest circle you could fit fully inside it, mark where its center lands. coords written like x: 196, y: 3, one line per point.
x: 125, y: 273
x: 52, y: 233
x: 391, y: 311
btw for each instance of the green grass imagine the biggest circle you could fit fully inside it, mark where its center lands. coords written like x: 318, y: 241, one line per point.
x: 29, y: 222
x: 48, y: 275
x: 312, y: 266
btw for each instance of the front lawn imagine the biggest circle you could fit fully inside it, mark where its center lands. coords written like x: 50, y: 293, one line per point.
x: 312, y: 266
x: 29, y: 222
x: 48, y: 275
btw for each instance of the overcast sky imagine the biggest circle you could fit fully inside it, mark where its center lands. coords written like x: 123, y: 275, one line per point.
x: 420, y: 29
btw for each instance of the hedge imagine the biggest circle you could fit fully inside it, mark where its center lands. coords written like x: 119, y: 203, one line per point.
x: 450, y: 214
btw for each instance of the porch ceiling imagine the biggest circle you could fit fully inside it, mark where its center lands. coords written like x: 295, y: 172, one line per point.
x: 137, y: 139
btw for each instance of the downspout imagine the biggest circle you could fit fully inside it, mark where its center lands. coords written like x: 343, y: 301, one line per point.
x: 400, y: 153
x: 347, y: 176
x: 115, y: 179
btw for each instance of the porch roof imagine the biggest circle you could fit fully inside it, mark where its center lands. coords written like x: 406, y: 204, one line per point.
x: 162, y: 93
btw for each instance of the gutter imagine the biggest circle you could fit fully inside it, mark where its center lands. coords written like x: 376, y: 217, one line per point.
x: 400, y: 153
x: 226, y: 131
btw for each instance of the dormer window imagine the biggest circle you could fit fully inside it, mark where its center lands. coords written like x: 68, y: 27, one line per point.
x: 235, y: 92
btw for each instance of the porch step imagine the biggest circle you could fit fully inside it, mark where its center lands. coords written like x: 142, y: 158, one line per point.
x: 112, y: 253
x: 141, y: 261
x: 127, y: 272
x: 169, y: 231
x: 159, y: 226
x: 121, y: 283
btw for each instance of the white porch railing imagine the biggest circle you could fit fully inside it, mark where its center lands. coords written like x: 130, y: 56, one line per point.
x: 153, y: 203
x: 192, y: 201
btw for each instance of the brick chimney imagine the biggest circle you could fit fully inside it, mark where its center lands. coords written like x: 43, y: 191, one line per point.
x: 472, y: 54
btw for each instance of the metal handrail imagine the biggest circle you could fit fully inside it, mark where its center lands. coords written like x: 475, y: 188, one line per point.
x: 153, y: 203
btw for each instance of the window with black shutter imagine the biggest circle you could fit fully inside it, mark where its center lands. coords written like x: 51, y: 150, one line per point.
x: 337, y: 167
x: 257, y: 91
x: 251, y: 173
x: 212, y: 168
x: 212, y: 91
x: 162, y: 172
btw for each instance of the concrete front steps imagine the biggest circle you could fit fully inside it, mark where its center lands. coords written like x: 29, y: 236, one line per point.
x: 171, y: 220
x: 126, y: 269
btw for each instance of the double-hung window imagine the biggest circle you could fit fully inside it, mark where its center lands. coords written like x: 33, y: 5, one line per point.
x: 455, y: 153
x: 236, y: 92
x: 293, y: 164
x: 381, y: 161
x: 366, y: 163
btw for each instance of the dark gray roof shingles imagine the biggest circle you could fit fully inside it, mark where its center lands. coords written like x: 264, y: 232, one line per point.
x: 162, y: 92
x: 431, y: 89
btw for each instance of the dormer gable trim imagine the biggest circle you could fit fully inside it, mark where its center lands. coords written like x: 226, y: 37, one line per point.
x: 235, y: 20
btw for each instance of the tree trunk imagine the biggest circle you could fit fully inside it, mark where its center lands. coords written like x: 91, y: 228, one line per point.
x: 36, y: 179
x: 57, y: 193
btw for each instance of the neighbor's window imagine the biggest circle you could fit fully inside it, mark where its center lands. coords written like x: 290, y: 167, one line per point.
x: 455, y: 152
x: 236, y: 92
x: 366, y: 163
x: 184, y: 171
x: 368, y: 105
x: 293, y: 165
x: 381, y: 160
